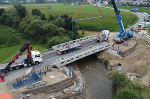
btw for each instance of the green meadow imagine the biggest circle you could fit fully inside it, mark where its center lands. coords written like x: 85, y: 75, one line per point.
x: 140, y: 9
x: 109, y: 21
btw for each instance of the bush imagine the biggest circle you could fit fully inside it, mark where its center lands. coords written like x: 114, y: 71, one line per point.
x: 102, y: 59
x: 57, y: 40
x: 120, y: 81
x: 127, y: 93
x: 106, y: 62
x: 36, y: 12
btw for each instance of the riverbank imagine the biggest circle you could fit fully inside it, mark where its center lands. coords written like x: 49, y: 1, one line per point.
x: 137, y: 62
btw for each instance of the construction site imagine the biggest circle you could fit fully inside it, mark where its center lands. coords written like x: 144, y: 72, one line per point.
x: 132, y: 57
x: 126, y: 51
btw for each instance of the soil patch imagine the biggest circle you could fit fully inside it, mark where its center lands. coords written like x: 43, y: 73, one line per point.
x: 138, y: 62
x: 3, y: 7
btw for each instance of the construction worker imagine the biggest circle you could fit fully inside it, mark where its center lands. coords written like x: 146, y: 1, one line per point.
x: 45, y: 72
x: 90, y: 46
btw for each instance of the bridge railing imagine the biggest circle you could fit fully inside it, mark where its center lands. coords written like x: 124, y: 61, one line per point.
x: 82, y: 55
x: 77, y: 41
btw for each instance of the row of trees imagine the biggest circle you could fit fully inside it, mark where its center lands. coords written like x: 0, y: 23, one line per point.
x: 50, y: 31
x: 33, y: 1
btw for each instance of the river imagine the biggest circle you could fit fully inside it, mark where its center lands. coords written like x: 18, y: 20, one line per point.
x: 95, y: 74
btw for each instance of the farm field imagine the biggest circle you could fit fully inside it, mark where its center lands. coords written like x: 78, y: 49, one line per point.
x: 140, y: 9
x: 109, y: 21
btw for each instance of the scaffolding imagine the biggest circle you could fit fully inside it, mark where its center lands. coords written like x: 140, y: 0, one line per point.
x: 27, y: 80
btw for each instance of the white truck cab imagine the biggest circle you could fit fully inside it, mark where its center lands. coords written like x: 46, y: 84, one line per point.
x: 36, y: 56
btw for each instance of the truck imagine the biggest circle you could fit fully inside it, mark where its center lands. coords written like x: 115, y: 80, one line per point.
x: 68, y: 48
x: 147, y: 18
x: 32, y: 58
x: 142, y: 26
x: 123, y: 34
x: 134, y: 10
x: 103, y: 36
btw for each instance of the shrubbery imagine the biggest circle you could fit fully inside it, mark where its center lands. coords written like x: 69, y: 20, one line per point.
x: 57, y: 40
x: 125, y: 89
x: 7, y: 37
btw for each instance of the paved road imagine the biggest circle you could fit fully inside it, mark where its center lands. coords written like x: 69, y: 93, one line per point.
x: 54, y: 57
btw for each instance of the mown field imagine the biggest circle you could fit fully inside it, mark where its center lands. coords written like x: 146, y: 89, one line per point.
x: 109, y: 21
x: 140, y: 9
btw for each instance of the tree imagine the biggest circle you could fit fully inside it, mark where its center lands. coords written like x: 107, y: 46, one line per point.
x: 61, y: 31
x: 40, y: 1
x: 24, y: 1
x: 51, y: 17
x: 36, y: 12
x: 68, y: 22
x: 21, y: 10
x: 1, y: 11
x: 109, y: 2
x: 43, y: 17
x: 59, y: 22
x: 53, y: 30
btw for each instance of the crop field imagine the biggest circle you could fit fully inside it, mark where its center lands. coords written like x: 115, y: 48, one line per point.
x: 109, y: 21
x: 140, y: 9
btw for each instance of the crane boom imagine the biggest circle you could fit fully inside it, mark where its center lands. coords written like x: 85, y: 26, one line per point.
x: 123, y: 34
x: 119, y: 18
x: 29, y: 59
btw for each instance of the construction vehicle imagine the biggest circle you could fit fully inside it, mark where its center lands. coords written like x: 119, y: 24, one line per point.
x: 134, y: 10
x: 68, y: 48
x: 142, y: 26
x: 123, y: 34
x: 103, y: 36
x: 33, y: 58
x: 147, y: 18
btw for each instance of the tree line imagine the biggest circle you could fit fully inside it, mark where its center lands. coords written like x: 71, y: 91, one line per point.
x: 50, y: 31
x: 35, y: 1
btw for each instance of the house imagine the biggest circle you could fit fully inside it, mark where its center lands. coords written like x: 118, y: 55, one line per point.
x: 105, y: 2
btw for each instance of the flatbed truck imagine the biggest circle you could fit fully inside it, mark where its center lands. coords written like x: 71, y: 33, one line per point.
x: 68, y: 48
x: 33, y: 58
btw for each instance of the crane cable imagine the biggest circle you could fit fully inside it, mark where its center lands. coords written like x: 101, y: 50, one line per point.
x: 83, y: 19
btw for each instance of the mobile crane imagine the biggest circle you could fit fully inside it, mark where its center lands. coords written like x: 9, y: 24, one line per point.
x: 123, y: 34
x: 33, y: 57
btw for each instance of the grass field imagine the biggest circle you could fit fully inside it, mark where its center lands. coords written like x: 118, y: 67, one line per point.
x: 140, y: 9
x: 8, y: 53
x: 109, y: 21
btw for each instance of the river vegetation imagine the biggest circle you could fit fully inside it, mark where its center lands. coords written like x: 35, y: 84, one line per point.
x: 125, y: 89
